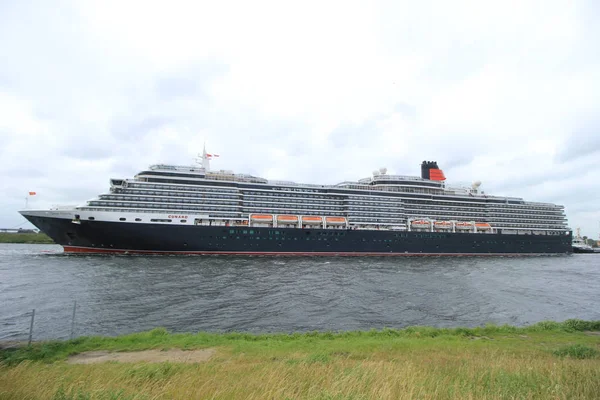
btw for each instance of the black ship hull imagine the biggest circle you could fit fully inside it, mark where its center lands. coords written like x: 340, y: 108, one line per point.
x: 582, y: 250
x: 142, y: 238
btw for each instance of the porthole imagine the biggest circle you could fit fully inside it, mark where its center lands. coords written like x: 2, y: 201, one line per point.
x: 122, y: 219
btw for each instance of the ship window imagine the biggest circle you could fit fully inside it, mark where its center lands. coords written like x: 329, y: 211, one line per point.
x: 183, y: 221
x: 122, y: 219
x: 91, y: 218
x: 138, y: 219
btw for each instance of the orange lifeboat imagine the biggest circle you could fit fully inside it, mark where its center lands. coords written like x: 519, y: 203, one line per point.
x: 483, y: 225
x: 420, y: 223
x: 312, y: 220
x: 262, y: 217
x: 442, y: 224
x: 287, y: 219
x: 335, y: 220
x: 464, y: 225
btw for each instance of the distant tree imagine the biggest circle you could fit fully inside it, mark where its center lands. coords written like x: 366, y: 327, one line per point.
x: 592, y: 242
x: 585, y: 238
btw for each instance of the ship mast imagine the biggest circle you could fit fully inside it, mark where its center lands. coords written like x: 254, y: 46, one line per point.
x: 205, y: 158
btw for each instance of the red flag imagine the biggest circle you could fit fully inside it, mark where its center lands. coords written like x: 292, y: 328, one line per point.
x: 32, y: 193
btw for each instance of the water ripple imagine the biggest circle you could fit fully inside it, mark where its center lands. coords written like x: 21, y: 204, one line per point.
x: 117, y: 295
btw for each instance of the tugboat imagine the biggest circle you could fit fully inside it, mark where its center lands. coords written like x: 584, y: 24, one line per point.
x: 580, y: 246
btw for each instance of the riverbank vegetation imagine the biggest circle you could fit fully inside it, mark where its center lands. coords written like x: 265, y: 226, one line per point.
x: 545, y: 360
x: 28, y: 238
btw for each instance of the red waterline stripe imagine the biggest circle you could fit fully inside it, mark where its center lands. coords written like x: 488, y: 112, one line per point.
x: 93, y: 250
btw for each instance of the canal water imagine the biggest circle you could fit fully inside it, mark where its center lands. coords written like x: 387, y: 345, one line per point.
x: 123, y: 294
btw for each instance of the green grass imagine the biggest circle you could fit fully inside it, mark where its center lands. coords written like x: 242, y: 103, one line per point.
x: 28, y: 238
x: 545, y: 360
x: 578, y: 351
x: 361, y: 340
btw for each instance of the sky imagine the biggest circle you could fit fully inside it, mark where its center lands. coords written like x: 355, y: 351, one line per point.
x: 507, y: 93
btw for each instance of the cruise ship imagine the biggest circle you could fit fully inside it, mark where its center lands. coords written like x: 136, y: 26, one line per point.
x: 169, y: 209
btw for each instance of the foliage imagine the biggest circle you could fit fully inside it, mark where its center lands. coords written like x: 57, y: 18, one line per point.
x: 28, y: 238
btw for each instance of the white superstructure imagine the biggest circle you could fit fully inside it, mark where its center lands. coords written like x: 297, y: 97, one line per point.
x: 381, y: 201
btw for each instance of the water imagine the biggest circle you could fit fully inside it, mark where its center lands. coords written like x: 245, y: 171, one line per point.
x: 120, y: 294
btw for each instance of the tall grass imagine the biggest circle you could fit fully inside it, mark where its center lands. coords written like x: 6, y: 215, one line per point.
x: 475, y: 375
x: 491, y: 362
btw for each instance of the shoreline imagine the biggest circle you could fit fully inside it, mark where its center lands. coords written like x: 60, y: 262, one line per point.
x: 25, y: 238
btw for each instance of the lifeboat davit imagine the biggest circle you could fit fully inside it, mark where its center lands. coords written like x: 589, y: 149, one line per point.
x: 262, y: 217
x: 335, y: 220
x: 442, y: 224
x: 312, y: 220
x: 464, y: 225
x: 483, y: 225
x: 287, y: 219
x: 421, y: 223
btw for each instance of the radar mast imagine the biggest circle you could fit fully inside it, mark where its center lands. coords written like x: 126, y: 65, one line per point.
x: 204, y: 158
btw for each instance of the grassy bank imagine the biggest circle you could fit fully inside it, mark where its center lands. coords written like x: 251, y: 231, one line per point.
x: 546, y: 360
x: 29, y: 238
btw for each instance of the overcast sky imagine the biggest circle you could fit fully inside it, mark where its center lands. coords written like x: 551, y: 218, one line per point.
x: 506, y: 92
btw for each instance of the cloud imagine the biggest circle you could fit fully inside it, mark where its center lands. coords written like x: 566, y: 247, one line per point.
x: 322, y: 92
x: 191, y: 81
x: 584, y: 141
x: 132, y: 129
